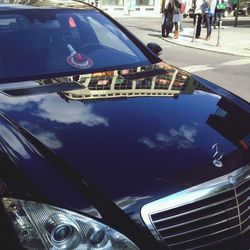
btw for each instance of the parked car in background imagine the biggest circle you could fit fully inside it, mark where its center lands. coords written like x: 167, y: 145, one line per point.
x: 105, y: 146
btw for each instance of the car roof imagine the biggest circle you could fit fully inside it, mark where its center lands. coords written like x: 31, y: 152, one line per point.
x: 34, y: 4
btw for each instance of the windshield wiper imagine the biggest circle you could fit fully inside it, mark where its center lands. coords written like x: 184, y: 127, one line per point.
x: 144, y: 74
x: 42, y: 89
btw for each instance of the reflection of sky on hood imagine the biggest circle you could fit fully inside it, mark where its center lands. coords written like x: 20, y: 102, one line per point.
x: 58, y: 110
x: 48, y: 138
x: 12, y: 143
x: 182, y: 138
x: 18, y: 103
x: 54, y: 109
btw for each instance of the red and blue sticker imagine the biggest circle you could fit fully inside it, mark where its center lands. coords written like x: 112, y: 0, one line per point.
x: 78, y: 60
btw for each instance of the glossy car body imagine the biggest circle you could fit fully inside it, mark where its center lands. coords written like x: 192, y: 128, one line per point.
x: 158, y: 155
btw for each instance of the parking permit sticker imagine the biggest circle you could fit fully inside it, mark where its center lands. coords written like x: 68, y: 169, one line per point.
x: 78, y: 60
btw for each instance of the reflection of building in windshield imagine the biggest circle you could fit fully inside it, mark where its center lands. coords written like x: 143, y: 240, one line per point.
x: 117, y: 84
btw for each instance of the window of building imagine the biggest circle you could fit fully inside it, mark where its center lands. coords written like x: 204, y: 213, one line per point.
x: 145, y: 2
x: 112, y: 2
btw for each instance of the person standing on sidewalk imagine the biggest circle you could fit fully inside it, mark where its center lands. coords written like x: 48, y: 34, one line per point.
x: 219, y: 9
x: 176, y: 17
x: 184, y: 13
x: 167, y: 16
x: 209, y: 9
x: 198, y: 7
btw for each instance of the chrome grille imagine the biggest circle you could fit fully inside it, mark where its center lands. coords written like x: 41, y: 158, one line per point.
x: 243, y: 196
x: 204, y: 215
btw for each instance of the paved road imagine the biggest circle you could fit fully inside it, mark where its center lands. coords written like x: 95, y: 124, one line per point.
x: 230, y: 72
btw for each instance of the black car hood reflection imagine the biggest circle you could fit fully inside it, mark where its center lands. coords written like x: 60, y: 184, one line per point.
x: 136, y: 149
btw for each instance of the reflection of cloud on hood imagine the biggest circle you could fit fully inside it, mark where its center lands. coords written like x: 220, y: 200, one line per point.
x: 48, y: 138
x: 148, y: 142
x: 17, y: 103
x: 62, y: 112
x: 55, y: 109
x: 182, y: 138
x: 12, y: 143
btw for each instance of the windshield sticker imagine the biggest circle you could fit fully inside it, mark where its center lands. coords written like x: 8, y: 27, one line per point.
x: 78, y: 60
x: 72, y: 23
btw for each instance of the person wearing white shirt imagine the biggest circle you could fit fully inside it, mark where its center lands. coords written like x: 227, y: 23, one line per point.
x: 198, y: 10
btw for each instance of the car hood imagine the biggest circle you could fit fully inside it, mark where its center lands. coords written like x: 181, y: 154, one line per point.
x: 139, y: 139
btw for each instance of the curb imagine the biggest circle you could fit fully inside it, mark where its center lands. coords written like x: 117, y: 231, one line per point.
x: 204, y: 49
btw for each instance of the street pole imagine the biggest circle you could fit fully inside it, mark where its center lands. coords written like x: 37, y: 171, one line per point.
x: 195, y: 27
x: 219, y: 37
x: 236, y: 13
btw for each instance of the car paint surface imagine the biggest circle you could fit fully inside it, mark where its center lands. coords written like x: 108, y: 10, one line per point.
x: 162, y: 142
x: 126, y: 137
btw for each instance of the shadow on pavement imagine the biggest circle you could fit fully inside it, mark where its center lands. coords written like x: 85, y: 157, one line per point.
x: 155, y: 35
x: 153, y: 30
x: 241, y: 23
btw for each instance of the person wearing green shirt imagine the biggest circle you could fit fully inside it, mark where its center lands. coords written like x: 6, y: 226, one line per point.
x: 234, y: 3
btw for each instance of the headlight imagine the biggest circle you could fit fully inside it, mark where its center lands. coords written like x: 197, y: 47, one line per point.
x: 40, y: 226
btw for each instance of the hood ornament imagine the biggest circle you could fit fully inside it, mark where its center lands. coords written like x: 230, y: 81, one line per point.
x: 217, y: 155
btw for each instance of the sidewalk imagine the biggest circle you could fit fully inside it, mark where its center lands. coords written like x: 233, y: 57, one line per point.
x: 234, y: 40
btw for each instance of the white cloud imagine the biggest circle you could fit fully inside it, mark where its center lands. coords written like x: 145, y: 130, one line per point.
x: 184, y: 137
x: 56, y: 109
x: 148, y: 142
x: 17, y: 103
x: 62, y: 112
x: 48, y: 138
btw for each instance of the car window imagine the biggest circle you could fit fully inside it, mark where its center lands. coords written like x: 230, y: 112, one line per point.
x: 37, y: 42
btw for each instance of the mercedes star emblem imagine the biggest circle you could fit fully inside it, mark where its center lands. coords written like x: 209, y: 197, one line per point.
x: 217, y: 155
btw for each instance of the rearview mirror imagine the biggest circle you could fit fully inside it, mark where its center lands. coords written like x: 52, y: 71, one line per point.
x: 154, y: 47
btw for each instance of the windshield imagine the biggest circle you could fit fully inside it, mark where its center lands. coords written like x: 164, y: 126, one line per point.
x: 48, y: 42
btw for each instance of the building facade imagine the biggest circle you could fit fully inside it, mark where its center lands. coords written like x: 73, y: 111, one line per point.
x: 129, y: 7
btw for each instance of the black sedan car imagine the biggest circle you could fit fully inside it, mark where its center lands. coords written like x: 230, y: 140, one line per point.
x: 105, y: 146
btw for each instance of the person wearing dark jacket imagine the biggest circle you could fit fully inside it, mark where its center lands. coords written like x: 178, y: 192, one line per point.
x: 167, y: 16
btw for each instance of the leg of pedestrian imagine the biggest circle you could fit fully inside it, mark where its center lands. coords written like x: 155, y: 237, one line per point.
x: 195, y: 27
x: 209, y: 18
x: 176, y: 30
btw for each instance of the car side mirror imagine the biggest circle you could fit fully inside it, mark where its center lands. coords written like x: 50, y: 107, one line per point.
x: 154, y: 47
